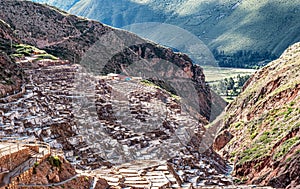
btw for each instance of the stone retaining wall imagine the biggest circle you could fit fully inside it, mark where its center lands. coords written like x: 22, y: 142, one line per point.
x: 17, y: 159
x: 24, y: 177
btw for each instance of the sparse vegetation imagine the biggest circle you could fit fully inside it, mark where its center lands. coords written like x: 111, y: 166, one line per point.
x: 46, y: 56
x: 267, y: 139
x: 55, y: 161
x: 252, y: 153
x: 264, y: 138
x: 36, y: 164
x: 253, y: 135
x: 238, y: 124
x: 22, y: 50
x: 292, y: 103
x: 240, y: 181
x: 149, y: 83
x: 285, y: 147
x: 288, y: 112
x: 25, y: 50
x: 288, y: 159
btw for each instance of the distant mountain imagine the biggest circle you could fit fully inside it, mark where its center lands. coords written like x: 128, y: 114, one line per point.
x: 267, y: 26
x: 65, y: 5
x: 261, y: 128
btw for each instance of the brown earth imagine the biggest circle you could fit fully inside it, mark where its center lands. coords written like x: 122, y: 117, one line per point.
x: 10, y: 74
x: 48, y: 172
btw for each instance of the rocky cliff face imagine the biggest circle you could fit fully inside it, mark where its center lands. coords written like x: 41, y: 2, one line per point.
x: 260, y: 129
x: 6, y: 35
x: 10, y: 74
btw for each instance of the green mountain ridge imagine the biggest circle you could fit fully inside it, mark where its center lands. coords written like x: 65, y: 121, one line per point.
x: 228, y: 26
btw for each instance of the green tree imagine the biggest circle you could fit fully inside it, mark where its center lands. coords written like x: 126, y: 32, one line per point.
x: 230, y: 84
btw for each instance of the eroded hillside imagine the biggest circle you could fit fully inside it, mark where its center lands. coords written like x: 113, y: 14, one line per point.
x: 260, y: 129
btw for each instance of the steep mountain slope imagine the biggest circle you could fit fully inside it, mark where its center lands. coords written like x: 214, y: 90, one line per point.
x: 260, y: 26
x: 11, y: 75
x: 261, y: 128
x: 228, y: 26
x: 77, y: 40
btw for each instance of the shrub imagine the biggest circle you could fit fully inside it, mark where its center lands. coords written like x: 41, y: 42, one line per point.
x: 253, y: 135
x: 288, y: 112
x: 55, y: 161
x: 288, y: 159
x: 36, y: 164
x: 264, y: 138
x: 285, y: 147
x: 292, y: 103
